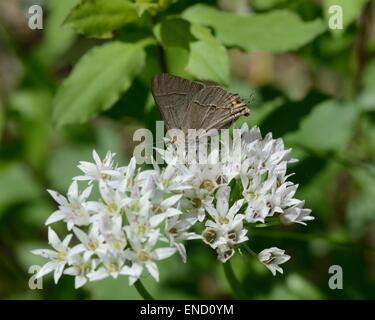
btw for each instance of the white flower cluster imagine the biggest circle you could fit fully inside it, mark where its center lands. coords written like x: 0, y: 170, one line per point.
x: 146, y: 216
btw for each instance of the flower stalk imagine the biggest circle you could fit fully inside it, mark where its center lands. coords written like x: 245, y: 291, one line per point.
x: 142, y: 290
x: 234, y: 283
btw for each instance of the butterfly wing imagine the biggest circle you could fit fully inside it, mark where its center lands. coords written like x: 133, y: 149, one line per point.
x: 172, y: 95
x: 213, y: 108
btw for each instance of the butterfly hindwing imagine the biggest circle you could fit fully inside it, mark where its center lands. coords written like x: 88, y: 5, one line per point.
x: 213, y: 108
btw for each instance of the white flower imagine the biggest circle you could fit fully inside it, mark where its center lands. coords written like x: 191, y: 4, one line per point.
x: 284, y: 195
x: 273, y: 203
x: 112, y: 266
x: 58, y: 257
x: 113, y: 201
x: 232, y: 157
x: 272, y: 258
x: 173, y: 178
x: 204, y: 183
x: 144, y: 255
x: 100, y: 170
x: 192, y: 203
x: 127, y: 181
x: 163, y: 208
x: 250, y: 135
x: 177, y: 229
x: 113, y: 232
x: 256, y: 186
x: 224, y: 252
x: 72, y: 209
x: 80, y: 268
x: 263, y: 154
x: 137, y: 199
x: 141, y: 227
x: 296, y: 214
x: 142, y: 223
x: 226, y: 228
x: 90, y: 243
x: 142, y: 217
x: 257, y: 211
x: 205, y: 178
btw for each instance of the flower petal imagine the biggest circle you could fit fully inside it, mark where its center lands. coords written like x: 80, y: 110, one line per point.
x: 55, y: 216
x: 152, y: 268
x: 163, y: 253
x: 47, y: 268
x: 58, y: 272
x: 73, y: 190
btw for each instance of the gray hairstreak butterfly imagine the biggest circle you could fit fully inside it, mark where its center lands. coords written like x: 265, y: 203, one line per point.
x: 186, y: 104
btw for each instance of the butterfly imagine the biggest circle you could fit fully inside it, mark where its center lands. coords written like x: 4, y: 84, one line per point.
x: 186, y: 104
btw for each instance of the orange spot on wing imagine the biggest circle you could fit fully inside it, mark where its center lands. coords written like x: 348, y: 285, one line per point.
x: 236, y: 103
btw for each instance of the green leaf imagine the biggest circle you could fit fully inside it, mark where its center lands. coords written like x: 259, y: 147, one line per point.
x: 277, y: 31
x: 192, y: 50
x: 208, y: 59
x: 56, y: 39
x: 97, y: 81
x: 361, y: 208
x: 17, y: 185
x: 31, y: 104
x: 265, y: 4
x: 329, y: 127
x: 367, y: 99
x: 34, y: 106
x: 152, y: 6
x: 176, y: 32
x: 177, y: 60
x: 350, y: 10
x: 99, y: 18
x: 146, y: 5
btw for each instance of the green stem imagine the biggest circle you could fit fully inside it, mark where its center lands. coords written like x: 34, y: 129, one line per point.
x: 233, y: 281
x: 143, y: 291
x: 252, y: 253
x: 269, y: 223
x: 249, y: 251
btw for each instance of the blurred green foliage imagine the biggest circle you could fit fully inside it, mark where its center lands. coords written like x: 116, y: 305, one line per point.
x: 83, y: 82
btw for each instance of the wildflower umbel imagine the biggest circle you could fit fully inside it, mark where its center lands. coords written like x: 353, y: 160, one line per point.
x: 146, y: 216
